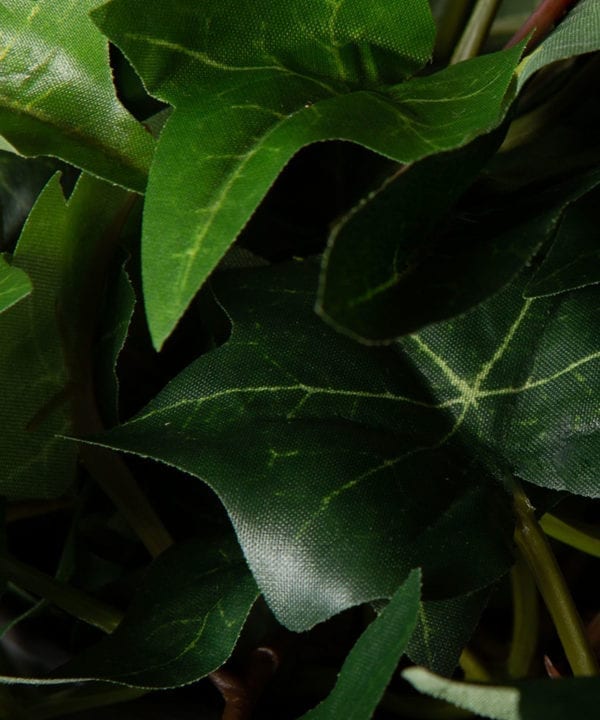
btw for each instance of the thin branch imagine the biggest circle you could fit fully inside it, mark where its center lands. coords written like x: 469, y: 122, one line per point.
x: 536, y: 551
x: 541, y: 22
x: 476, y: 30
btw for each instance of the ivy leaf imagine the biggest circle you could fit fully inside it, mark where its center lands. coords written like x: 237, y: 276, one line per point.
x: 573, y: 261
x: 390, y: 270
x: 37, y: 331
x: 246, y: 101
x: 14, y: 284
x: 373, y: 660
x: 387, y: 454
x: 57, y: 96
x: 577, y: 33
x: 576, y: 698
x: 182, y: 624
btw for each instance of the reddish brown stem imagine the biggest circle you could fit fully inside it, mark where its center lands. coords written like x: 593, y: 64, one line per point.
x: 541, y: 21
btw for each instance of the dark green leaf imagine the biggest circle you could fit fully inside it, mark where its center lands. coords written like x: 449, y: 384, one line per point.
x: 372, y: 661
x: 383, y: 279
x: 57, y: 96
x: 443, y: 629
x: 182, y: 623
x: 14, y: 284
x: 246, y: 101
x: 574, y: 258
x: 58, y: 249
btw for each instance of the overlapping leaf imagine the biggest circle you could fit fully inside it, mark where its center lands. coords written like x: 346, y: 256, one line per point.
x: 59, y: 251
x: 14, y: 284
x: 57, y: 96
x: 182, y: 624
x: 574, y: 258
x: 390, y: 269
x: 247, y: 99
x: 372, y: 661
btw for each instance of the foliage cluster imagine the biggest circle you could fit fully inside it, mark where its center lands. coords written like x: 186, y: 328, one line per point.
x: 325, y: 271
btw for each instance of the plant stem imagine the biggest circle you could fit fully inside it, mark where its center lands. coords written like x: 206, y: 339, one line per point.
x: 526, y: 620
x: 541, y: 21
x: 536, y: 551
x: 476, y: 30
x: 450, y: 22
x: 73, y: 601
x: 473, y: 668
x: 573, y: 535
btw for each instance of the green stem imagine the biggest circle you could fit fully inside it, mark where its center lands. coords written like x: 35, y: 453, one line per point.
x: 476, y: 30
x: 473, y: 668
x: 69, y: 599
x: 585, y: 539
x: 450, y: 21
x: 526, y: 620
x: 536, y: 551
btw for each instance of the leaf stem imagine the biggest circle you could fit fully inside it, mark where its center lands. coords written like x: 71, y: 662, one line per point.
x: 473, y: 668
x: 585, y: 539
x: 450, y: 20
x: 541, y: 21
x: 476, y: 30
x: 526, y: 620
x: 74, y: 601
x: 536, y: 551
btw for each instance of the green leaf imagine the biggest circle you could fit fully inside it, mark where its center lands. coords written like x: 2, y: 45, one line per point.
x: 313, y: 442
x: 490, y: 701
x: 42, y: 335
x: 443, y: 629
x: 21, y: 181
x: 182, y: 623
x: 578, y: 33
x: 14, y: 284
x: 575, y: 698
x: 57, y: 96
x: 373, y: 660
x: 574, y: 258
x: 247, y: 100
x: 391, y: 268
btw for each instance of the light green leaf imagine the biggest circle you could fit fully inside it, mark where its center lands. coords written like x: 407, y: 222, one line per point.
x: 183, y: 621
x: 575, y: 698
x: 247, y: 100
x: 490, y: 701
x: 574, y: 258
x: 14, y: 284
x: 57, y: 96
x: 44, y: 333
x: 578, y: 33
x: 372, y: 661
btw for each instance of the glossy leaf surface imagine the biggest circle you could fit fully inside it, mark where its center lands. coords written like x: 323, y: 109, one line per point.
x: 14, y: 284
x: 57, y: 96
x: 183, y: 621
x: 58, y: 250
x: 372, y: 661
x: 247, y: 100
x: 378, y: 437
